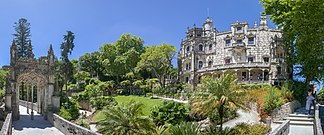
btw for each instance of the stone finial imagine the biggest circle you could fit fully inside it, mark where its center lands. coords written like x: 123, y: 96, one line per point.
x: 50, y: 55
x: 30, y: 53
x: 13, y: 52
x: 263, y: 22
x: 255, y: 24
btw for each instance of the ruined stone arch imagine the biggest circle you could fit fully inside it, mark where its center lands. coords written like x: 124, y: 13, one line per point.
x: 36, y: 75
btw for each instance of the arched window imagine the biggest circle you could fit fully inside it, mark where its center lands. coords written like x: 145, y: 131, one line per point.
x: 188, y: 49
x: 210, y: 47
x: 210, y: 64
x: 200, y: 64
x: 201, y: 48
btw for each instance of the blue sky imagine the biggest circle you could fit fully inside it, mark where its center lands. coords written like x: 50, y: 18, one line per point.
x: 96, y: 22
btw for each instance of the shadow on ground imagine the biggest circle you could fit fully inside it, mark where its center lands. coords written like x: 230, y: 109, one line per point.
x: 26, y: 122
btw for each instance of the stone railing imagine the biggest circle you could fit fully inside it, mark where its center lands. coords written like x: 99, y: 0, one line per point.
x: 317, y: 122
x: 7, y: 125
x: 67, y: 127
x: 236, y: 65
x: 281, y: 112
x: 283, y: 129
x: 23, y: 103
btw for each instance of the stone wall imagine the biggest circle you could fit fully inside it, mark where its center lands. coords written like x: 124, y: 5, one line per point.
x: 320, y: 117
x: 284, y: 111
x: 67, y: 127
x: 7, y: 125
x: 283, y: 129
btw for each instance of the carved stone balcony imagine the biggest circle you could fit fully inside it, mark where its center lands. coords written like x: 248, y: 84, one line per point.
x: 236, y: 66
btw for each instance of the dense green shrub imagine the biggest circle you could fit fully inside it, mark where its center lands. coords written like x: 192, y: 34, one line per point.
x: 70, y: 110
x: 102, y: 101
x: 228, y: 114
x: 272, y: 100
x: 320, y: 96
x: 254, y: 86
x: 169, y: 112
x: 64, y: 113
x: 247, y: 129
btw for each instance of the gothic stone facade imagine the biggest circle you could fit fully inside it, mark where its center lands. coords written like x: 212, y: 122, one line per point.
x: 32, y: 76
x: 253, y: 54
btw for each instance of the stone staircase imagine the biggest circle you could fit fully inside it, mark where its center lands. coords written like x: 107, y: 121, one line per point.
x: 300, y: 122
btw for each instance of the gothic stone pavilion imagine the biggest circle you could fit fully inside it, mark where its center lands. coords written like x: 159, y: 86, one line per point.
x: 254, y: 54
x: 31, y: 83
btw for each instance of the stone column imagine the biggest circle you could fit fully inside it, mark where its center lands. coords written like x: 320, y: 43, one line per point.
x: 38, y: 99
x: 249, y: 75
x: 263, y: 77
x: 27, y: 100
x: 32, y: 103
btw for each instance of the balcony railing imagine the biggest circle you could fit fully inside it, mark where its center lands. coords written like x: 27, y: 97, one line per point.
x: 238, y: 44
x: 236, y: 65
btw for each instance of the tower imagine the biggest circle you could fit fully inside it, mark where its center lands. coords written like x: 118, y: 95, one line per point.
x: 208, y: 26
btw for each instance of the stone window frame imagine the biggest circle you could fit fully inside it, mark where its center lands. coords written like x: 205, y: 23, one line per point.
x: 210, y: 64
x: 228, y: 38
x: 200, y: 47
x: 251, y: 36
x: 200, y: 64
x: 188, y: 49
x: 210, y: 47
x: 267, y: 57
x: 227, y: 60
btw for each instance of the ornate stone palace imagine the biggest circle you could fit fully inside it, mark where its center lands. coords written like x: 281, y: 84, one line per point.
x: 253, y: 54
x: 31, y: 83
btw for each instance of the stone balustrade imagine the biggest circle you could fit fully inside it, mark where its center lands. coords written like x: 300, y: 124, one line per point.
x: 283, y: 129
x: 317, y: 121
x: 281, y: 112
x: 24, y: 104
x: 67, y: 127
x: 7, y: 125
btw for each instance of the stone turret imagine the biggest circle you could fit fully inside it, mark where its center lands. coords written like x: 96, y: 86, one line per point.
x: 50, y: 55
x: 208, y: 26
x: 263, y: 22
x: 30, y: 53
x: 13, y: 53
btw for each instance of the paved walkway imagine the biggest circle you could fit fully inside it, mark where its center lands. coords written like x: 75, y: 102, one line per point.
x: 175, y: 100
x: 38, y: 126
x: 243, y: 116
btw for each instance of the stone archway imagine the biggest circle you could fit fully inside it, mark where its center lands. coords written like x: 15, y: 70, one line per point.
x: 35, y: 75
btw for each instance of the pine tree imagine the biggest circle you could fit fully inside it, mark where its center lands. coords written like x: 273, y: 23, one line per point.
x: 22, y: 37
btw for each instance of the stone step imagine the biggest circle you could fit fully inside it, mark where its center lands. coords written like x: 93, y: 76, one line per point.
x: 301, y: 115
x: 299, y: 119
x: 303, y: 123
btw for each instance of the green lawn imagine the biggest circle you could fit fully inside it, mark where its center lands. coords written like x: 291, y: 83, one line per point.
x: 148, y: 104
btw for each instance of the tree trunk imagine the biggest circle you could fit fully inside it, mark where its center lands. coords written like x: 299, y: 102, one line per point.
x: 67, y: 96
x: 221, y: 114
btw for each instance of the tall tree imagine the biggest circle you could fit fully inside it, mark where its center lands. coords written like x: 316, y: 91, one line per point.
x: 67, y: 67
x: 22, y: 37
x: 92, y: 63
x: 157, y: 59
x: 302, y: 22
x: 121, y: 57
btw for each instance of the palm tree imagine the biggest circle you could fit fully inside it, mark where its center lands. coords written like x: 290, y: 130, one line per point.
x: 220, y: 93
x: 125, y: 120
